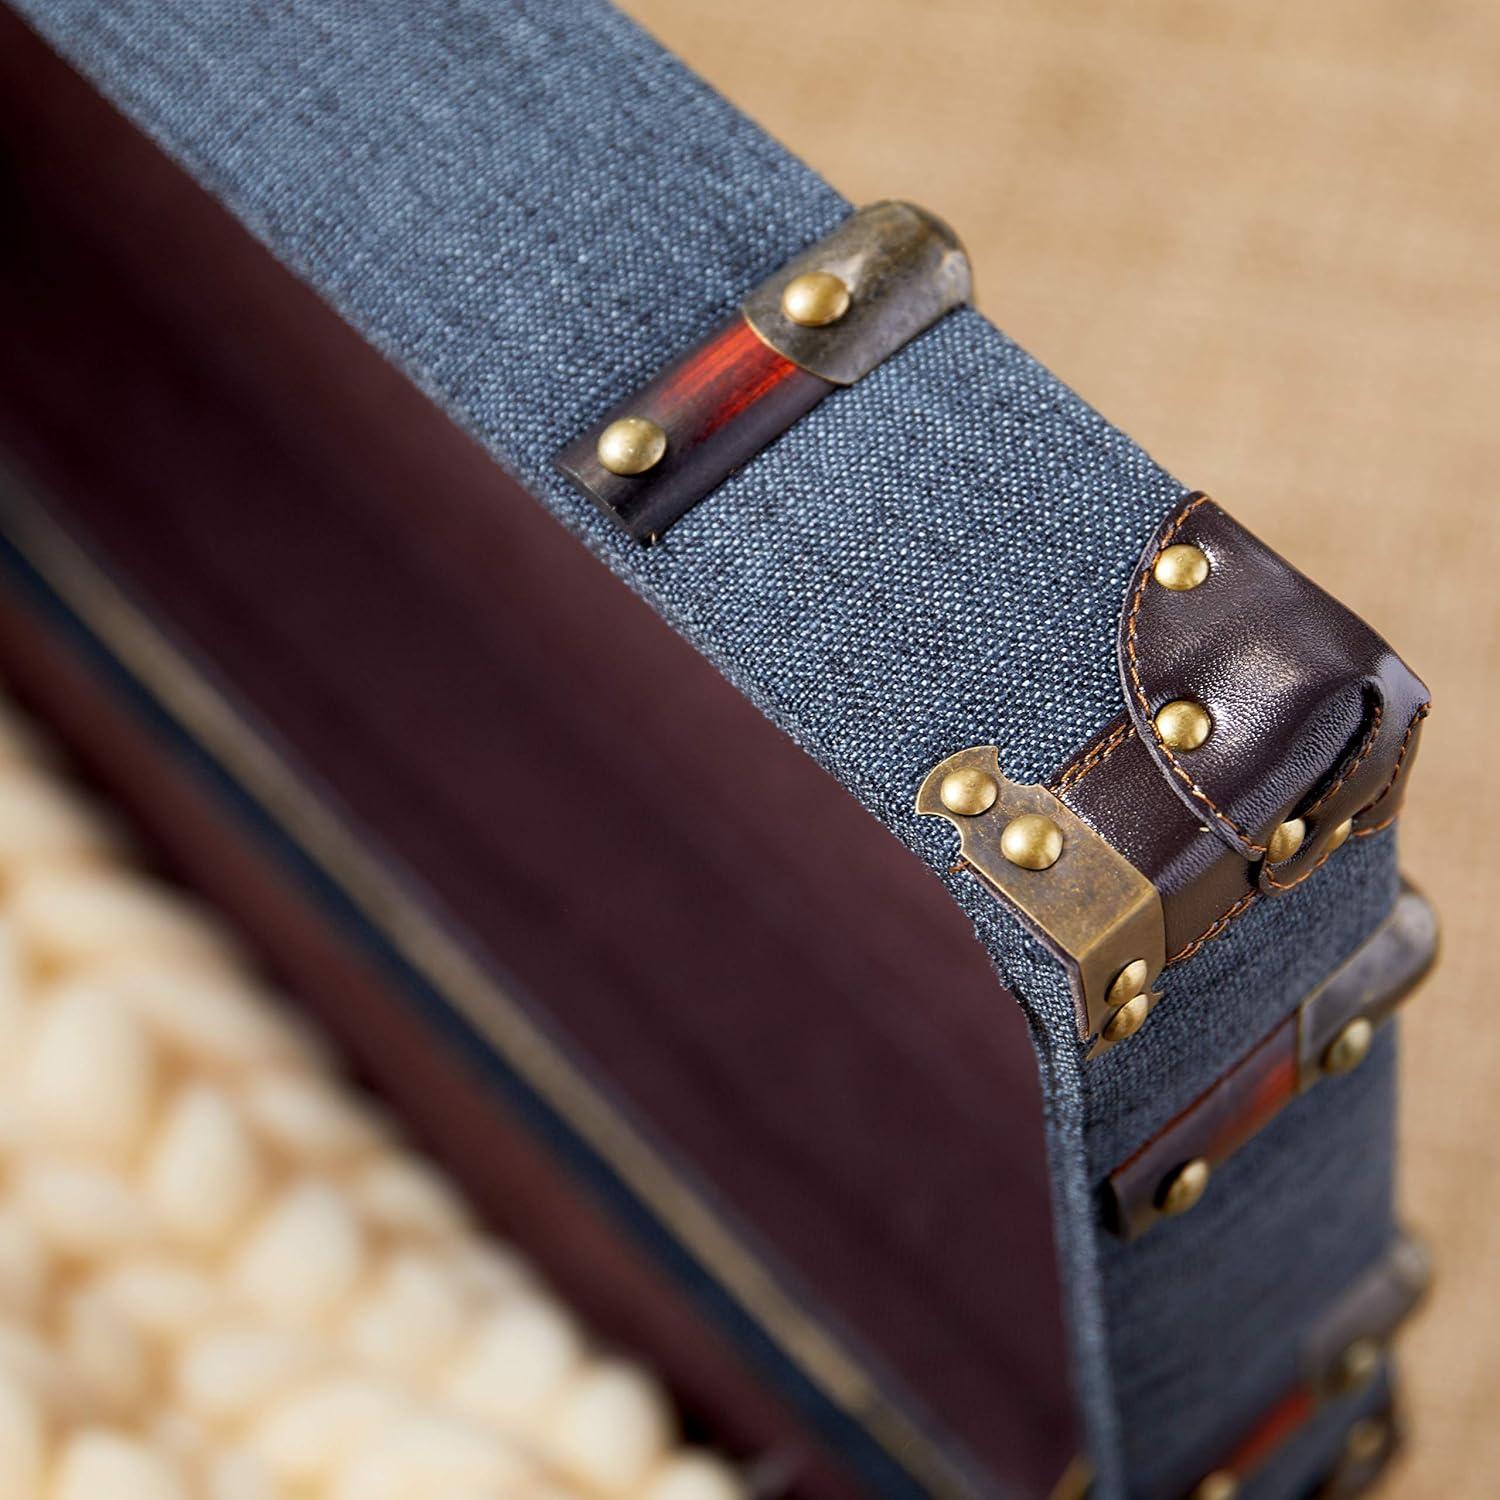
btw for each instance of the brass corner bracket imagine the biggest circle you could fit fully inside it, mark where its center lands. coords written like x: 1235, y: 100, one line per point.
x: 1082, y: 897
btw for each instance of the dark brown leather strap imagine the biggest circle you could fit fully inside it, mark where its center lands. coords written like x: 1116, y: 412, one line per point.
x: 1314, y: 716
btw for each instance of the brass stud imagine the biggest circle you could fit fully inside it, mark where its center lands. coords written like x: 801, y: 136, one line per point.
x: 1366, y: 1441
x: 1181, y: 568
x: 1127, y: 1020
x: 1340, y: 835
x: 1032, y: 841
x: 1181, y: 1189
x: 1349, y: 1048
x: 1356, y: 1367
x: 631, y: 446
x: 1129, y: 982
x: 1183, y: 724
x: 1220, y: 1485
x: 815, y: 299
x: 968, y: 792
x: 1286, y: 840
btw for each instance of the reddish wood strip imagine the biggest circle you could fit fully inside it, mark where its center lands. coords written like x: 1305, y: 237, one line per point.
x: 1214, y: 1127
x: 719, y: 405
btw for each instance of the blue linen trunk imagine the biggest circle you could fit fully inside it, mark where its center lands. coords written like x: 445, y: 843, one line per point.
x: 446, y: 175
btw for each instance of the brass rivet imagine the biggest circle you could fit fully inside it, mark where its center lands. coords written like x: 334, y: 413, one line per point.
x: 1340, y: 834
x: 632, y: 445
x: 1357, y: 1366
x: 1220, y: 1485
x: 1183, y: 724
x: 1129, y: 982
x: 1286, y: 840
x: 968, y: 793
x: 1127, y: 1020
x: 815, y: 299
x: 1349, y: 1048
x: 1032, y: 841
x: 1181, y: 1189
x: 1181, y: 568
x: 1366, y: 1441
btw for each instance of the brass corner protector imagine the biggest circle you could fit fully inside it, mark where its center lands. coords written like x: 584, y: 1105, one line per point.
x: 1080, y: 895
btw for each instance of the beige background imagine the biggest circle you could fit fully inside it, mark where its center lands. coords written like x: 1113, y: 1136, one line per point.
x: 1263, y: 239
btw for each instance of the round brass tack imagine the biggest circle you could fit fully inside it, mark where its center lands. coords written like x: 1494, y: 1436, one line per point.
x: 968, y: 792
x: 1357, y: 1366
x: 1340, y: 835
x: 631, y: 446
x: 1181, y: 1189
x: 1349, y: 1048
x: 815, y: 299
x: 1129, y: 982
x: 1127, y: 1020
x: 1032, y: 841
x: 1366, y: 1441
x: 1183, y: 724
x: 1286, y: 840
x: 1220, y: 1485
x: 1181, y: 567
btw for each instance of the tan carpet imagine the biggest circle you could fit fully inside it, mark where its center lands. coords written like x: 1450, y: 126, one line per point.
x: 1263, y: 238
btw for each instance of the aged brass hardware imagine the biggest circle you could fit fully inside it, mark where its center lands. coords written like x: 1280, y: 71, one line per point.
x: 1220, y: 1485
x: 815, y: 299
x: 1090, y: 905
x: 826, y: 318
x: 1350, y: 1047
x: 1366, y: 1440
x: 1130, y: 981
x: 1340, y: 834
x: 1032, y: 841
x: 632, y: 445
x: 1286, y: 840
x: 1181, y: 567
x: 1356, y: 1366
x: 900, y: 267
x: 1183, y: 724
x: 1183, y: 1188
x: 968, y: 792
x: 1127, y: 1020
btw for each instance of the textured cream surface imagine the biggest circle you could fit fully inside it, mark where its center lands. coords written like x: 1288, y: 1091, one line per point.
x: 221, y: 1273
x: 1261, y: 238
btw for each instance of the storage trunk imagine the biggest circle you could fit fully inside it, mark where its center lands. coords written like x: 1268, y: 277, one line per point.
x: 554, y: 832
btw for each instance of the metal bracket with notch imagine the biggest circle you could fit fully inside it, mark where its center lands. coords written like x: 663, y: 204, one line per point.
x: 1080, y: 895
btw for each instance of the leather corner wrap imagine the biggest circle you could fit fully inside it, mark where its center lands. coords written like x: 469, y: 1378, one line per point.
x: 1306, y: 726
x: 1310, y: 715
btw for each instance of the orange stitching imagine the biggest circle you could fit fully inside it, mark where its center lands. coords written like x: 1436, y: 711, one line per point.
x: 1411, y: 729
x: 1217, y: 926
x: 1286, y: 885
x: 1094, y: 758
x: 1354, y: 765
x: 1406, y: 740
x: 1364, y: 750
x: 1135, y: 677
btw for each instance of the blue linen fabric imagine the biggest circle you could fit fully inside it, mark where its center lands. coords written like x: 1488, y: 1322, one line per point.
x: 530, y: 207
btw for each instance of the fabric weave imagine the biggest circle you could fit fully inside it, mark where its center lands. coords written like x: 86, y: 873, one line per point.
x: 530, y: 207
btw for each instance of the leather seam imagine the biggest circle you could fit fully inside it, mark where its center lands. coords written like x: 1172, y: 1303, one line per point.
x: 1287, y: 885
x: 1361, y: 833
x: 1217, y: 926
x: 1357, y: 762
x: 1131, y: 634
x: 1406, y: 743
x: 1092, y: 759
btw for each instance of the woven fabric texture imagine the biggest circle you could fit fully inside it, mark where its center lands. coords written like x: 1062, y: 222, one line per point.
x: 529, y: 208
